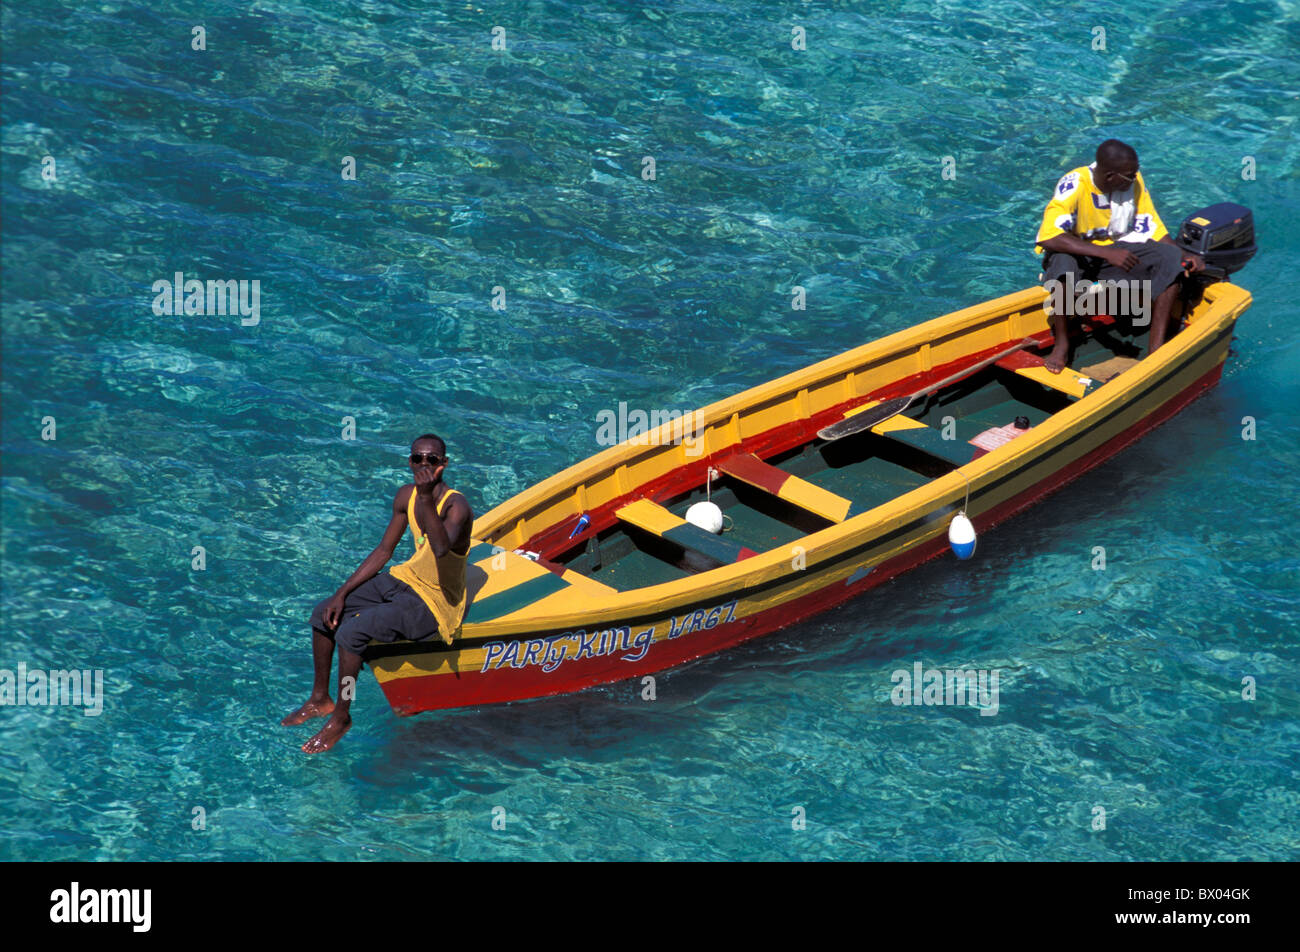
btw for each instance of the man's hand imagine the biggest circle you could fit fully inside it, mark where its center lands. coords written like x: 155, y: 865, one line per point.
x: 1193, y: 263
x: 1116, y: 255
x: 333, y: 611
x: 426, y: 477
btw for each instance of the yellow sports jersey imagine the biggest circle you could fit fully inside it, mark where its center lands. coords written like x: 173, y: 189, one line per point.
x: 1079, y: 208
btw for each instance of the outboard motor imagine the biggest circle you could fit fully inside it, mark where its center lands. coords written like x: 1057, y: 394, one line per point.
x: 1222, y: 234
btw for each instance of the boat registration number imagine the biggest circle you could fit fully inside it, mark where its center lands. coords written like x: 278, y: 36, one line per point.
x: 550, y: 653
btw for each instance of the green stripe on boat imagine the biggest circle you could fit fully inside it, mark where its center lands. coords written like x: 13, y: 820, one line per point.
x: 513, y: 599
x: 478, y: 552
x: 715, y: 547
x: 929, y: 440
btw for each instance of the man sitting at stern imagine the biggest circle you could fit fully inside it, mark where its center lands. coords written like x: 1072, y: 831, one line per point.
x: 1101, y: 226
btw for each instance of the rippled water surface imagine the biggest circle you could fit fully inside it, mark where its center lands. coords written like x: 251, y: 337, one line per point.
x: 522, y: 168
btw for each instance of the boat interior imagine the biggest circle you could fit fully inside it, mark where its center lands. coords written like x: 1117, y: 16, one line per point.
x: 774, y: 501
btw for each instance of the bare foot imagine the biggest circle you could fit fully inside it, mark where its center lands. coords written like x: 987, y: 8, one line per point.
x: 328, y: 735
x: 1055, y: 361
x: 309, y: 710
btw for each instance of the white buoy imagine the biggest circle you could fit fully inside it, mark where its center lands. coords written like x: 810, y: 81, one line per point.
x: 706, y: 515
x: 961, y: 536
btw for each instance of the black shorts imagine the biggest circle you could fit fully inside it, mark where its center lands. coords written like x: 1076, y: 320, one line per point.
x: 1159, y: 263
x: 382, y: 609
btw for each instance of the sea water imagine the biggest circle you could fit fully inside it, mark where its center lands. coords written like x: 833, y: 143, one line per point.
x: 501, y: 234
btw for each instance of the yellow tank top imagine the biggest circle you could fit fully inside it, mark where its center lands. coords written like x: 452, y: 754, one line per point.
x: 440, y: 582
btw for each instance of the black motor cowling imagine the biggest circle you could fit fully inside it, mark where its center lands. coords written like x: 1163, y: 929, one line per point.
x: 1222, y: 234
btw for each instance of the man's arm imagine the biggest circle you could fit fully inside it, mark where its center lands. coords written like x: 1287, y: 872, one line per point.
x: 445, y: 534
x: 1074, y: 245
x: 1191, y: 262
x: 376, y: 560
x: 459, y: 523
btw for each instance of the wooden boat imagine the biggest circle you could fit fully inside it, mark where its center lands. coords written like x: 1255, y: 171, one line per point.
x: 623, y: 586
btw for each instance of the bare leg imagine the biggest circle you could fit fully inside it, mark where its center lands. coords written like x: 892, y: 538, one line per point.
x: 1160, y: 316
x: 340, y: 720
x: 1056, y: 360
x: 319, y: 703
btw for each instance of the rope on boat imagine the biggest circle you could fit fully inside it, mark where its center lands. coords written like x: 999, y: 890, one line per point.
x: 961, y: 531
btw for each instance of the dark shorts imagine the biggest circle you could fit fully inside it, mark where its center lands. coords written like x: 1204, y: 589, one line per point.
x: 382, y: 609
x: 1159, y: 264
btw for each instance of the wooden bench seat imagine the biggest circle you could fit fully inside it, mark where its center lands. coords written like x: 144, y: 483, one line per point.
x: 925, y: 438
x: 751, y: 470
x: 1069, y: 382
x: 657, y: 520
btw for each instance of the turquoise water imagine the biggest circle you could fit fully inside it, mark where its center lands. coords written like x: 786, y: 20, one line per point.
x: 522, y: 168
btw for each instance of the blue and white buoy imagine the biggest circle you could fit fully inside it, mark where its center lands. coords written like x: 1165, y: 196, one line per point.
x: 961, y: 536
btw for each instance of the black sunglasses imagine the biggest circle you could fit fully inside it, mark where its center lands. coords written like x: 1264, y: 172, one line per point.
x: 427, y: 458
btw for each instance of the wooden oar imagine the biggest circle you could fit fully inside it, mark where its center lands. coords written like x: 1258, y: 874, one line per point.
x: 866, y: 419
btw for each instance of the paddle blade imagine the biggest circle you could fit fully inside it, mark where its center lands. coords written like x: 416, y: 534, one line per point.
x: 865, y: 420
